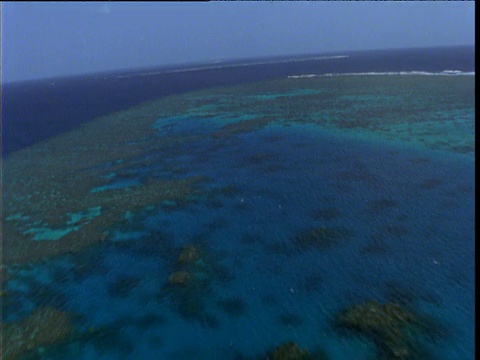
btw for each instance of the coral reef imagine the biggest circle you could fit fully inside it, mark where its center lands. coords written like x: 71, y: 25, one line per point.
x: 233, y: 306
x: 21, y: 246
x: 430, y: 184
x: 108, y: 339
x: 327, y: 214
x: 322, y: 238
x: 375, y: 246
x: 381, y: 205
x: 43, y: 328
x: 388, y: 325
x: 4, y: 276
x: 122, y: 286
x: 290, y: 319
x: 49, y: 180
x: 50, y: 207
x: 182, y: 278
x: 291, y: 351
x: 243, y: 126
x: 50, y: 199
x: 395, y: 230
x: 259, y: 158
x: 312, y: 282
x: 189, y: 255
x: 189, y: 285
x: 192, y: 267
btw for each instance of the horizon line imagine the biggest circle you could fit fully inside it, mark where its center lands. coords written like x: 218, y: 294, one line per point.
x: 216, y: 63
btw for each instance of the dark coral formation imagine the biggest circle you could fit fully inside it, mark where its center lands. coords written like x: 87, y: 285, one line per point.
x: 243, y: 126
x: 189, y: 255
x: 259, y: 158
x: 395, y: 230
x: 312, y: 282
x: 43, y: 328
x: 376, y: 245
x: 327, y: 214
x: 233, y: 306
x: 122, y: 286
x: 322, y: 238
x: 291, y: 351
x: 180, y: 278
x: 379, y: 206
x: 191, y: 267
x: 420, y: 160
x: 109, y: 338
x: 389, y: 326
x: 430, y: 184
x: 290, y: 319
x: 407, y: 293
x: 4, y: 276
x: 374, y: 248
x: 189, y: 285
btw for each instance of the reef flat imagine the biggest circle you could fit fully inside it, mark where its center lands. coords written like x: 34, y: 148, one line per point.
x: 50, y: 203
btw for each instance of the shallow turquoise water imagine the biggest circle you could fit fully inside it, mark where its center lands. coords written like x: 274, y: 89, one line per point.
x: 404, y: 214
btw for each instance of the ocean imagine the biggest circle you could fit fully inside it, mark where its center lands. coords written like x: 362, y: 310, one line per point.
x: 307, y: 207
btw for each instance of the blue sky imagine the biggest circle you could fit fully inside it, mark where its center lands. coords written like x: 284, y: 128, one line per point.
x: 41, y: 40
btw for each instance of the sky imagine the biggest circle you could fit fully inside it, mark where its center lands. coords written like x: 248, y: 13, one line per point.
x: 51, y: 39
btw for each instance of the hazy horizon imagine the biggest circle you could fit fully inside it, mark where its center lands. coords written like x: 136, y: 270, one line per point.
x: 228, y: 62
x: 50, y: 40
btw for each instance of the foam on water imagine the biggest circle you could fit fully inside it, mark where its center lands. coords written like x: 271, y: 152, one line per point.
x: 220, y: 65
x: 389, y: 73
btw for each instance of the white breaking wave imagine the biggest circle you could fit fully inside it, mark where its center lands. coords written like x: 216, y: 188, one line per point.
x: 404, y: 73
x: 218, y: 65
